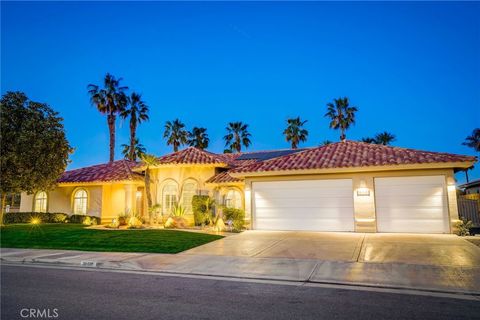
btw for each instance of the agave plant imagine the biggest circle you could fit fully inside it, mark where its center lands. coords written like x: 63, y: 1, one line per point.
x: 178, y: 211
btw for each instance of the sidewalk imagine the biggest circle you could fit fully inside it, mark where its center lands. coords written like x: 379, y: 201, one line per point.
x: 456, y: 279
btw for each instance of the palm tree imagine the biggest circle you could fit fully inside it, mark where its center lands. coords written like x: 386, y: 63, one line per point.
x: 473, y: 141
x: 237, y: 135
x: 138, y: 150
x: 110, y: 100
x: 138, y: 113
x: 369, y: 140
x: 294, y: 133
x: 148, y: 160
x: 175, y: 134
x: 384, y: 138
x: 341, y: 114
x: 198, y: 138
x: 326, y: 142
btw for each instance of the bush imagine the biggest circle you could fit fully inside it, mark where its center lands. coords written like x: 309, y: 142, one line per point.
x: 84, y: 219
x: 202, y: 207
x: 237, y: 218
x: 463, y: 227
x: 26, y: 217
x: 178, y: 211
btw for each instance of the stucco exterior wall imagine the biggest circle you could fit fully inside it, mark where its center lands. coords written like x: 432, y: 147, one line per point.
x: 364, y: 206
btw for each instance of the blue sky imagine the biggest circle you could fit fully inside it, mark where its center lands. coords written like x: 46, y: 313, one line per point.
x: 411, y: 68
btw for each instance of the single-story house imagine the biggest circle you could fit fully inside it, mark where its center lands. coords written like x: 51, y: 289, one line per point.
x: 344, y: 186
x: 472, y: 187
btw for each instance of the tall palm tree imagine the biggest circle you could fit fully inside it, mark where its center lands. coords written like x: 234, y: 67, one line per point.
x: 341, y: 115
x: 175, y: 134
x: 473, y: 140
x: 295, y: 133
x: 109, y: 100
x: 138, y: 112
x: 138, y: 150
x: 148, y: 160
x: 385, y: 138
x: 326, y: 142
x: 237, y: 135
x: 198, y: 138
x: 369, y: 140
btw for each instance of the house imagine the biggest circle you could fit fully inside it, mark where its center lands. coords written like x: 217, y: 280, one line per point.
x: 345, y: 186
x: 472, y: 187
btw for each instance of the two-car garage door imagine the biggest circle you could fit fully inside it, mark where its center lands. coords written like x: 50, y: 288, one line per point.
x: 317, y: 205
x: 402, y: 204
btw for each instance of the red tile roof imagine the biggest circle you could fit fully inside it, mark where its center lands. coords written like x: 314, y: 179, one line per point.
x: 113, y: 171
x: 350, y: 154
x: 192, y: 155
x: 223, y: 177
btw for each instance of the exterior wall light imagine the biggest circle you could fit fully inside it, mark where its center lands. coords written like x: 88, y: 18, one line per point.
x: 451, y: 184
x: 138, y: 194
x: 363, y: 191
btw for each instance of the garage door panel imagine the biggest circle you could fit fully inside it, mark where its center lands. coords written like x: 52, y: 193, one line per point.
x: 411, y: 204
x: 322, y: 205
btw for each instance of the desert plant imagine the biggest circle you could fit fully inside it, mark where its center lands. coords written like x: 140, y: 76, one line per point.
x: 463, y: 227
x: 178, y: 211
x: 202, y: 207
x: 154, y: 211
x: 235, y: 217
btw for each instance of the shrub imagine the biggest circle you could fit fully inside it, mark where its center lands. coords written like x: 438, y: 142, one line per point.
x: 26, y: 217
x: 463, y: 227
x: 202, y: 207
x: 84, y: 219
x: 178, y: 211
x: 236, y: 216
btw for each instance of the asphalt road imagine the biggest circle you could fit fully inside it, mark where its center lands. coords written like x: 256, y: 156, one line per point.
x: 78, y: 294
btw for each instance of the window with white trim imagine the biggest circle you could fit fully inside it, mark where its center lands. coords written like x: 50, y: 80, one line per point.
x: 80, y: 200
x: 233, y: 199
x: 40, y: 202
x: 170, y: 197
x: 189, y: 190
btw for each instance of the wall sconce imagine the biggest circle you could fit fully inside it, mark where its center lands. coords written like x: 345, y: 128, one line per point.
x: 363, y: 191
x: 451, y: 184
x: 138, y: 194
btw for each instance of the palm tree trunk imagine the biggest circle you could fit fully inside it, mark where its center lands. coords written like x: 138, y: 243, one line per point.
x: 466, y: 175
x: 133, y: 155
x: 149, y: 196
x: 2, y: 209
x: 111, y: 128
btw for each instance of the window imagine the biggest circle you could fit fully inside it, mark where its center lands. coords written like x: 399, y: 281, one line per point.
x: 169, y: 197
x: 233, y: 199
x: 40, y: 202
x: 189, y: 190
x: 80, y: 198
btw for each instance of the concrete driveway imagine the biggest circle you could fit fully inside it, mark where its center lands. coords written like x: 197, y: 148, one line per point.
x: 435, y: 250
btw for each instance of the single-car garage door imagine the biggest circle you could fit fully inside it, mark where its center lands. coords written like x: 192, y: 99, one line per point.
x: 411, y: 204
x: 316, y: 205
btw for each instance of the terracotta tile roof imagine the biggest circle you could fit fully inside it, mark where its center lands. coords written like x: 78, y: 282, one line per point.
x: 192, y: 155
x: 350, y: 154
x: 113, y: 171
x: 223, y: 177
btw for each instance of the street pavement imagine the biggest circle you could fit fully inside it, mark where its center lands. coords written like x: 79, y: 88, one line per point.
x: 95, y: 294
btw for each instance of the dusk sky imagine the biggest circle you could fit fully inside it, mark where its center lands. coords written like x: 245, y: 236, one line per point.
x: 411, y: 68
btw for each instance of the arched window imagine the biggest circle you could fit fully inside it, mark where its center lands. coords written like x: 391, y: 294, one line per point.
x: 80, y: 199
x: 40, y: 202
x: 233, y: 199
x: 170, y: 197
x: 190, y: 187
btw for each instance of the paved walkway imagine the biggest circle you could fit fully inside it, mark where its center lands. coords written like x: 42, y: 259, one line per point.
x: 425, y: 262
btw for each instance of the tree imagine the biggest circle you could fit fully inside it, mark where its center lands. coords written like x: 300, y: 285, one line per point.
x: 326, y: 142
x: 198, y: 138
x: 175, y: 134
x: 110, y: 100
x: 148, y: 160
x: 341, y: 115
x: 295, y: 133
x: 34, y: 150
x: 384, y: 138
x: 237, y: 135
x: 138, y: 112
x: 138, y: 150
x: 473, y: 140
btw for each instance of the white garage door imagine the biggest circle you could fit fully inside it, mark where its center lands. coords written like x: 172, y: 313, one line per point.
x: 411, y: 204
x: 317, y: 205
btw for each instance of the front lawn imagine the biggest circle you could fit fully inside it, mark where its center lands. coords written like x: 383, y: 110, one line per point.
x: 77, y: 237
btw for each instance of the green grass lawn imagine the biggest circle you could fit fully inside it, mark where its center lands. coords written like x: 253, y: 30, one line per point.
x: 77, y: 237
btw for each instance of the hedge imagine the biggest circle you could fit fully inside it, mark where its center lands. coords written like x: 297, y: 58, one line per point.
x: 48, y: 217
x: 26, y: 217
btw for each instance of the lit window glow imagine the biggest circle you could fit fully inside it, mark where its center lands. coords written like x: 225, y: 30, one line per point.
x: 80, y: 200
x: 40, y: 204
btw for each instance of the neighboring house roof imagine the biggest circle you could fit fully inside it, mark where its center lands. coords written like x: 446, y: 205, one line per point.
x: 192, y: 155
x: 350, y: 154
x: 120, y: 170
x: 223, y: 177
x: 470, y: 184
